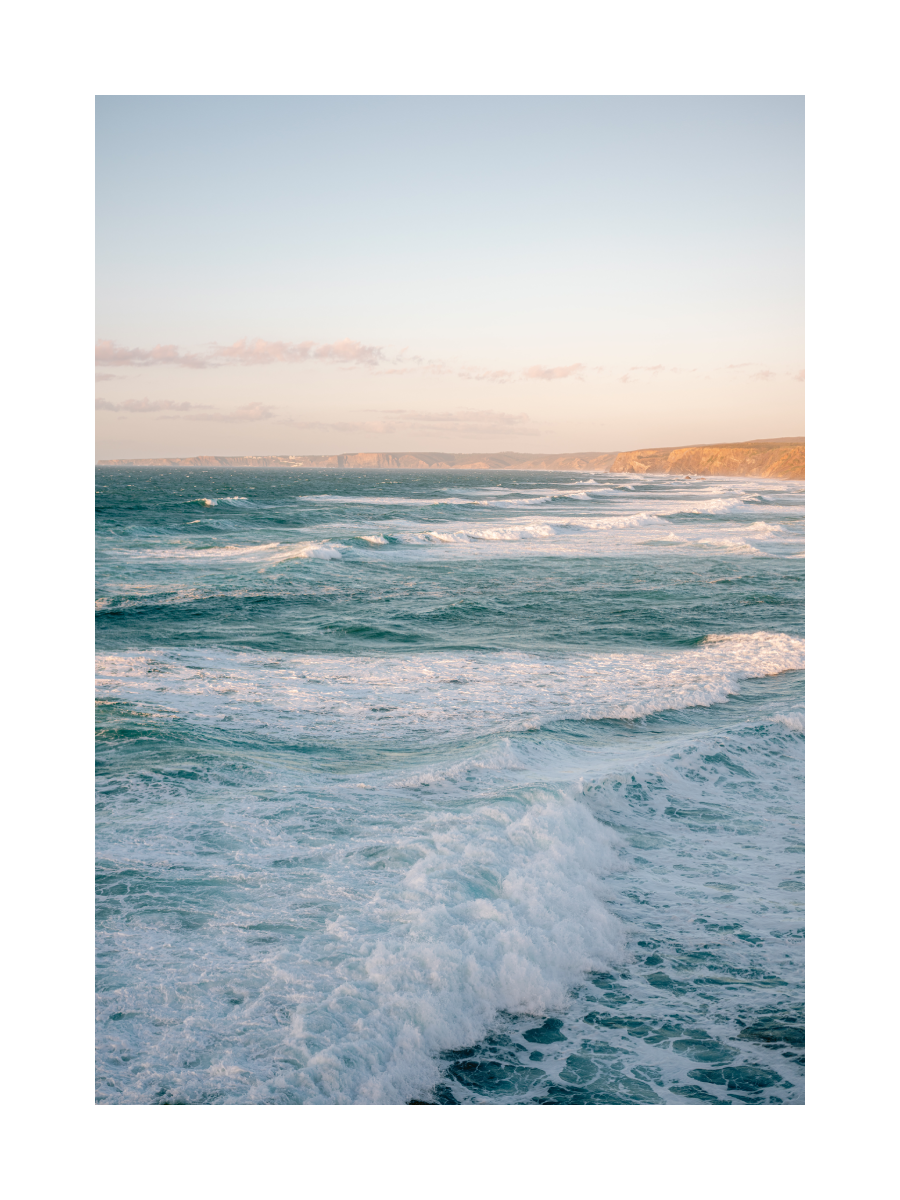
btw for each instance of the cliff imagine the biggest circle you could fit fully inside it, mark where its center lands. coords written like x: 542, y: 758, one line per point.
x: 778, y: 458
x: 505, y: 460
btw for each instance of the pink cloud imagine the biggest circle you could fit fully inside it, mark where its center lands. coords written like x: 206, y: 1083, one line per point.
x: 254, y: 411
x: 248, y: 352
x: 405, y: 420
x: 483, y: 376
x: 762, y: 376
x: 470, y: 416
x: 539, y: 372
x: 346, y: 352
x: 247, y: 412
x: 145, y: 406
x: 258, y: 352
x: 350, y: 352
x: 108, y: 354
x: 800, y: 377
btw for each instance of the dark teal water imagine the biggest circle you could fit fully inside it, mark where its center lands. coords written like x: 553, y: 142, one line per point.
x: 449, y: 787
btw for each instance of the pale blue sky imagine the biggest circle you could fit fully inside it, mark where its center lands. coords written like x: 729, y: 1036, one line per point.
x: 455, y: 237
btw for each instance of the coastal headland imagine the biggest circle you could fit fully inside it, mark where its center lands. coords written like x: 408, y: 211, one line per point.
x: 774, y: 458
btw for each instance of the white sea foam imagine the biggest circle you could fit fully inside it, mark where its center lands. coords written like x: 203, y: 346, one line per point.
x: 795, y: 720
x: 315, y: 550
x: 620, y: 521
x: 342, y: 696
x: 399, y: 863
x: 520, y: 501
x: 394, y: 501
x: 265, y: 552
x: 722, y: 504
x: 500, y: 533
x: 494, y: 907
x: 502, y: 911
x: 234, y: 501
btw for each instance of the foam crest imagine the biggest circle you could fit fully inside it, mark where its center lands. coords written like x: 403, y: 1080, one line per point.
x: 495, y: 907
x: 795, y: 720
x: 721, y: 504
x: 502, y: 911
x: 500, y: 533
x: 338, y: 696
x: 624, y: 521
x: 267, y: 552
x: 314, y: 550
x: 393, y: 501
x: 520, y: 501
x: 234, y: 501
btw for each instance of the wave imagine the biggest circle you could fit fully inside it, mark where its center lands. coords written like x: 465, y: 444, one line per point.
x: 517, y: 533
x: 265, y: 552
x: 479, y: 497
x: 496, y: 907
x: 344, y: 696
x: 234, y: 501
x: 521, y: 501
x: 394, y: 501
x: 795, y: 720
x: 425, y: 924
x: 500, y: 533
x: 625, y: 521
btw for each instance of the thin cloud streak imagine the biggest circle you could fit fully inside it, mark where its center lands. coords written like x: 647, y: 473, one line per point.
x: 476, y: 416
x: 247, y: 412
x: 258, y: 352
x: 108, y: 354
x: 388, y: 421
x: 145, y: 406
x: 656, y: 370
x: 548, y: 373
x: 350, y: 354
x: 199, y: 412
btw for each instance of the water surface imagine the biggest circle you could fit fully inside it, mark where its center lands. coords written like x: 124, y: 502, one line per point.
x: 449, y: 787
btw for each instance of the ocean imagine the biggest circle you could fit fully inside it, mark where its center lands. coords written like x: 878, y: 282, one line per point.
x: 449, y: 787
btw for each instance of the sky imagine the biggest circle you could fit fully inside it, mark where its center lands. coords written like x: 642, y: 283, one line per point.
x: 326, y: 274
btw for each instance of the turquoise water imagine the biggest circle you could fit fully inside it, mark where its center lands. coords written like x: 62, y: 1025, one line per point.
x: 449, y: 787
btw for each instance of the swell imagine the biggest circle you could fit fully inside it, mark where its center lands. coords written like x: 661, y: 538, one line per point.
x: 321, y: 694
x: 340, y: 970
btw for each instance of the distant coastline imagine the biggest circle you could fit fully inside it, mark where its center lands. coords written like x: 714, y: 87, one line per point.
x: 771, y: 458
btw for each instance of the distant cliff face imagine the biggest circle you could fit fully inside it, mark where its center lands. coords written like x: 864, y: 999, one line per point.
x: 781, y: 458
x: 784, y: 458
x: 504, y: 461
